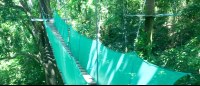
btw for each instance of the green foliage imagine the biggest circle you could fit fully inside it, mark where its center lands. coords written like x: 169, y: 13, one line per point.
x: 15, y: 39
x: 175, y: 46
x: 175, y: 39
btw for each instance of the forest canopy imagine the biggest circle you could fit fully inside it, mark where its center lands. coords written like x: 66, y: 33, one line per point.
x: 171, y: 40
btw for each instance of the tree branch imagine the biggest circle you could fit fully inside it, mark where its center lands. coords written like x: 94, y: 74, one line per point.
x: 19, y: 7
x: 55, y: 4
x: 19, y: 54
x: 65, y: 4
x: 29, y: 30
x: 23, y: 54
x: 34, y: 39
x: 27, y: 59
x: 26, y: 10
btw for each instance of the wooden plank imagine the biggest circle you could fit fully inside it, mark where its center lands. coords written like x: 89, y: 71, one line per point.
x: 84, y: 73
x: 82, y: 70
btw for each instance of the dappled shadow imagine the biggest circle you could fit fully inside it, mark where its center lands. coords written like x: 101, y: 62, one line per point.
x: 66, y: 63
x: 115, y: 68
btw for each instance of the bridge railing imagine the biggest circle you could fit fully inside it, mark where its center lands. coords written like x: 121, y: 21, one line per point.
x: 115, y: 68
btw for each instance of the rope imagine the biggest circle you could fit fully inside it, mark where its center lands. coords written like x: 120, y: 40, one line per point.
x: 136, y: 40
x: 139, y: 26
x: 156, y: 15
x: 96, y: 37
x: 64, y: 9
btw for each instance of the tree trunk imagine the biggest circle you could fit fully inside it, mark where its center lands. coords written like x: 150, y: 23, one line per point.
x: 49, y: 61
x: 45, y: 7
x: 47, y: 58
x: 149, y: 22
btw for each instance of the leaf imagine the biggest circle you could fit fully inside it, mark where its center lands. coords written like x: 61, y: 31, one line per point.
x: 198, y: 37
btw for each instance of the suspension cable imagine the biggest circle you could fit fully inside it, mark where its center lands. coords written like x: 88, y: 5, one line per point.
x: 136, y: 40
x: 139, y: 26
x: 96, y: 37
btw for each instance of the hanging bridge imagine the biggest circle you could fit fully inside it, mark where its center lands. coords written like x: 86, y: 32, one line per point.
x: 76, y: 57
x: 84, y: 76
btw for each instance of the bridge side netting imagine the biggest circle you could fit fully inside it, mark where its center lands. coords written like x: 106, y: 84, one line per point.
x: 62, y: 27
x: 66, y: 63
x: 76, y: 43
x: 115, y: 68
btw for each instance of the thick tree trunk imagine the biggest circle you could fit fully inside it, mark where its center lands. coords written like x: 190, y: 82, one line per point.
x: 45, y: 7
x: 49, y: 61
x: 47, y: 58
x: 149, y: 22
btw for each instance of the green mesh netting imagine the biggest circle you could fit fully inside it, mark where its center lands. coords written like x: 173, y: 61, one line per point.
x: 66, y: 63
x: 62, y: 27
x: 114, y: 68
x: 75, y: 39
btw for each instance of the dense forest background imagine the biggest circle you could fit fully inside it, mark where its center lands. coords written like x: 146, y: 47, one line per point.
x: 171, y: 42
